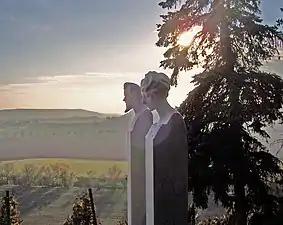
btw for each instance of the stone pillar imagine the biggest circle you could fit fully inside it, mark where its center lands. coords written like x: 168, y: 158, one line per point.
x: 167, y: 173
x: 136, y: 184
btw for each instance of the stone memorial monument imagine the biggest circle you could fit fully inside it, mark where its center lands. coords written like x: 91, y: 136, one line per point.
x: 166, y: 157
x: 140, y: 125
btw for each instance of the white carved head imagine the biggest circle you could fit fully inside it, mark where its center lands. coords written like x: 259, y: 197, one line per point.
x: 155, y: 87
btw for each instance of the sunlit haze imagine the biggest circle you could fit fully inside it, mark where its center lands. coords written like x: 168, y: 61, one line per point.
x: 78, y: 54
x: 187, y: 37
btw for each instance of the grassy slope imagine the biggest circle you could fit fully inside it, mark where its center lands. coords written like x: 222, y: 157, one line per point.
x: 51, y: 206
x: 79, y: 167
x: 43, y: 205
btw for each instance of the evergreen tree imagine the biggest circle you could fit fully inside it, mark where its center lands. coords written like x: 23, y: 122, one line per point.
x: 82, y: 213
x: 14, y: 213
x: 232, y: 102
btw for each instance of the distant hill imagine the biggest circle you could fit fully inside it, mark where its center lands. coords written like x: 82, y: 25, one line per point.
x: 62, y: 133
x: 23, y: 114
x: 73, y: 133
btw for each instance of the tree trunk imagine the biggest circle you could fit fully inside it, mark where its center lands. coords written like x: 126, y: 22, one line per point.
x: 240, y: 204
x: 228, y: 67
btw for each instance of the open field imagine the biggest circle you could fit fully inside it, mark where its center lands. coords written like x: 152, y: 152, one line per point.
x: 79, y: 167
x: 51, y: 206
x: 76, y: 134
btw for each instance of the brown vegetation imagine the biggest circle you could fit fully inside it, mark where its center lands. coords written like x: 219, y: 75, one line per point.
x: 60, y: 175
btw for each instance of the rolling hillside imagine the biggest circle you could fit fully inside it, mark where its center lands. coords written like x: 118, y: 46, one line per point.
x: 68, y: 133
x: 45, y: 205
x: 76, y: 134
x: 62, y: 134
x: 22, y: 114
x: 11, y: 117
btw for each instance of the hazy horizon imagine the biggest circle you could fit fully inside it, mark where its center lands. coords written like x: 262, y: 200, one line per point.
x: 23, y: 108
x: 77, y: 55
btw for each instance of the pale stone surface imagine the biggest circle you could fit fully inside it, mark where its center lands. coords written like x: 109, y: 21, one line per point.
x: 136, y: 185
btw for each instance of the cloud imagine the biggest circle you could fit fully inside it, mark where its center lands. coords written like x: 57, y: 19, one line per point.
x: 94, y: 91
x: 89, y: 79
x: 101, y: 92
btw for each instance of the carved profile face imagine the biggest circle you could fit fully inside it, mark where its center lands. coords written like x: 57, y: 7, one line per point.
x: 128, y: 99
x: 132, y: 95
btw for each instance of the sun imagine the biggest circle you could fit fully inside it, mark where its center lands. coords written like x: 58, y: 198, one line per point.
x: 186, y: 38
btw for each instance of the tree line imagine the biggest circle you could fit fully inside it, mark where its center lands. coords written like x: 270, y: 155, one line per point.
x: 61, y: 175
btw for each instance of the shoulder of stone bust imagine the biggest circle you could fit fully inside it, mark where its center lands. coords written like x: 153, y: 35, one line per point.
x: 155, y: 116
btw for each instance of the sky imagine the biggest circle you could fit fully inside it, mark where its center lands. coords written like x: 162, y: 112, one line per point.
x: 78, y: 54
